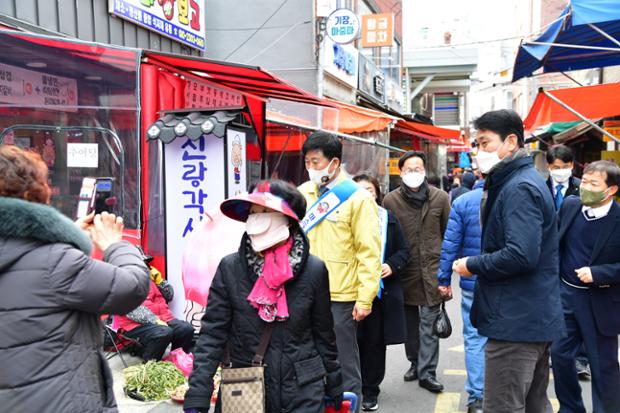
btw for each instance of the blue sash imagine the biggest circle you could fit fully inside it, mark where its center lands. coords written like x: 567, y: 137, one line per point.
x: 383, y: 226
x: 328, y: 203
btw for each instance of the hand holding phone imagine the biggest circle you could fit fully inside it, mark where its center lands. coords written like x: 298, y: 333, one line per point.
x: 86, y: 221
x: 106, y: 230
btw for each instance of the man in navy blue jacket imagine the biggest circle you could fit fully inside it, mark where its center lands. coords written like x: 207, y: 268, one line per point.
x: 590, y: 274
x: 517, y: 295
x: 462, y: 239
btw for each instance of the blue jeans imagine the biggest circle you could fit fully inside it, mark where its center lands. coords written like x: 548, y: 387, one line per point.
x: 474, y: 350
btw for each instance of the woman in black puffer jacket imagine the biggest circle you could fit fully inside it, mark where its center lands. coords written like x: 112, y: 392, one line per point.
x: 52, y: 294
x: 301, y: 360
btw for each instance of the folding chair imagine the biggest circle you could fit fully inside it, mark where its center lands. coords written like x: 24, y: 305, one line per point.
x: 115, y: 341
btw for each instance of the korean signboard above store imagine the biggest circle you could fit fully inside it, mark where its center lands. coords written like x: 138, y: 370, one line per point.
x: 377, y: 30
x: 394, y: 96
x: 25, y: 87
x: 341, y: 61
x: 371, y: 79
x: 343, y: 26
x: 181, y: 20
x: 204, y: 95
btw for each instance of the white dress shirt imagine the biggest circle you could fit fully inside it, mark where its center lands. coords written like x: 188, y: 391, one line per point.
x: 596, y: 213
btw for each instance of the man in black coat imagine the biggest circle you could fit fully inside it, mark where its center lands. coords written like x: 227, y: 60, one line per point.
x: 386, y: 324
x: 590, y: 274
x: 517, y: 296
x: 562, y: 184
x: 561, y: 181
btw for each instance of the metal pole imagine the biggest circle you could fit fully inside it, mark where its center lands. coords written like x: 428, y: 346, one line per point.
x: 575, y: 46
x: 421, y: 86
x: 593, y: 27
x: 579, y: 115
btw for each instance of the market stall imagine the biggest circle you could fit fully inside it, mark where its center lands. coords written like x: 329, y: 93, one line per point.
x: 87, y: 109
x: 430, y: 139
x: 364, y: 134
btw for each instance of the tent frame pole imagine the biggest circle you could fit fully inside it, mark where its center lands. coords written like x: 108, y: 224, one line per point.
x: 576, y: 46
x: 604, y: 34
x: 579, y: 115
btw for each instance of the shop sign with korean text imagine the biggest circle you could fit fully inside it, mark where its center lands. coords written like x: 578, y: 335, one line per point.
x: 371, y: 79
x: 29, y: 88
x: 613, y: 127
x: 206, y: 95
x: 341, y: 61
x: 343, y: 26
x: 377, y: 30
x: 181, y: 20
x: 394, y: 96
x: 194, y: 184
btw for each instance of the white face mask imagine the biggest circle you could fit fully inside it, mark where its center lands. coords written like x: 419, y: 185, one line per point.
x: 267, y: 229
x: 487, y: 160
x: 414, y: 179
x: 321, y: 176
x: 561, y: 175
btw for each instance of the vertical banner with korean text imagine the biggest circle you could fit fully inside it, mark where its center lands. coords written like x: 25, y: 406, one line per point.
x: 194, y: 184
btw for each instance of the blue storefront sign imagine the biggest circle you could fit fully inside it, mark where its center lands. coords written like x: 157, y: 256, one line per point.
x: 181, y: 20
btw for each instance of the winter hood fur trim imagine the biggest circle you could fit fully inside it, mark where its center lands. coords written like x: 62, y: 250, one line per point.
x: 23, y: 219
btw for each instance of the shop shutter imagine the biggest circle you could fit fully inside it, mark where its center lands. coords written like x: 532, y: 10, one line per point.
x: 446, y: 109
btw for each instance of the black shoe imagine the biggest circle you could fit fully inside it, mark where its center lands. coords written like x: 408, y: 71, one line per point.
x: 370, y: 404
x: 583, y: 371
x: 411, y: 374
x: 431, y: 384
x: 475, y: 406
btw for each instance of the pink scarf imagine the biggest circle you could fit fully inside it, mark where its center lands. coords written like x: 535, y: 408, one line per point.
x: 268, y: 294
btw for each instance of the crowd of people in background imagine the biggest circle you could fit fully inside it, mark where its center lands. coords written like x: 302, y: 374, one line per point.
x: 329, y: 274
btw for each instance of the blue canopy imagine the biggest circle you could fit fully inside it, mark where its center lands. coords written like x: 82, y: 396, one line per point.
x: 578, y: 39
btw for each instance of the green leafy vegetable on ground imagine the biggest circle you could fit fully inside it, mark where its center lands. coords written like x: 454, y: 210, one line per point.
x: 155, y: 380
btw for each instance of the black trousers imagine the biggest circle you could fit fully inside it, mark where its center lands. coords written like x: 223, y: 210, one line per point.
x: 155, y: 338
x: 372, y: 347
x: 602, y: 352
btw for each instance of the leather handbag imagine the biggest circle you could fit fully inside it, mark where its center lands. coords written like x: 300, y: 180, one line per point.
x: 242, y: 390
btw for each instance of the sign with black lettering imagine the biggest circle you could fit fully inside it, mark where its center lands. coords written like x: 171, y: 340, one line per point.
x: 29, y: 88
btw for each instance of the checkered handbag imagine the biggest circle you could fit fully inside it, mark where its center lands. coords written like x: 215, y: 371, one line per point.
x: 243, y: 389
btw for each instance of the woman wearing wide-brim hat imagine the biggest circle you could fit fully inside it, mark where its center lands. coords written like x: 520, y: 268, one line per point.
x: 271, y: 279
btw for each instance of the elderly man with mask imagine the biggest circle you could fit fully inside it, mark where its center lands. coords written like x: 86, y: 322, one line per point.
x: 590, y: 274
x: 423, y: 211
x: 517, y: 295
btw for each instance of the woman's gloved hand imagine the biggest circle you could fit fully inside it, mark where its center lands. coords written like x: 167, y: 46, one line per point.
x: 156, y: 276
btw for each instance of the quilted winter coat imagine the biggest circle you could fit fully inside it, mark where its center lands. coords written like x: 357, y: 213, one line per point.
x: 51, y: 297
x: 462, y: 237
x: 301, y: 360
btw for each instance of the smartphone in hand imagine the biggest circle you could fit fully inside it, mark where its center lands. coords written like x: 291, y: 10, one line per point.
x: 96, y: 195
